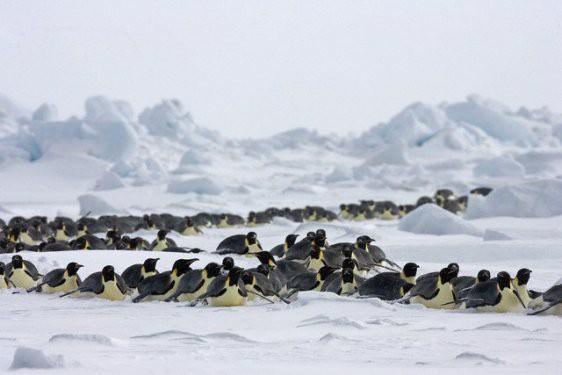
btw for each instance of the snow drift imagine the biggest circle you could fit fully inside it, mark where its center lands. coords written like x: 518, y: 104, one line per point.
x: 432, y: 219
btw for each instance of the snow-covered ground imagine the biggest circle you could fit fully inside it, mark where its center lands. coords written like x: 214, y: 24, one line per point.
x: 111, y: 160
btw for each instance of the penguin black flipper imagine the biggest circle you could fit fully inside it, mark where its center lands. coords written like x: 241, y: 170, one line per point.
x: 534, y: 294
x: 278, y: 251
x: 299, y: 250
x: 332, y: 283
x: 303, y: 282
x: 91, y: 284
x: 176, y: 249
x: 154, y: 285
x: 461, y: 286
x: 425, y: 287
x: 386, y: 286
x: 550, y: 298
x: 483, y: 294
x: 232, y: 245
x: 189, y: 283
x: 132, y: 275
x: 32, y: 270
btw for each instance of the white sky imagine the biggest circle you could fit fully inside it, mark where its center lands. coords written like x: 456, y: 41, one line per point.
x: 253, y: 68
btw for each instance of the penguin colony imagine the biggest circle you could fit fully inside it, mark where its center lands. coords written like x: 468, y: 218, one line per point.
x: 310, y: 264
x: 62, y: 233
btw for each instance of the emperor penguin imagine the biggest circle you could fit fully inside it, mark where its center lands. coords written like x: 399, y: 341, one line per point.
x: 136, y: 273
x: 137, y: 243
x: 240, y: 244
x: 520, y: 284
x: 549, y: 302
x: 462, y: 284
x: 88, y: 242
x: 390, y: 286
x: 405, y: 209
x: 227, y: 265
x: 21, y: 273
x: 61, y: 231
x: 497, y: 295
x: 162, y: 242
x: 3, y: 280
x: 188, y: 227
x: 59, y: 280
x: 161, y: 286
x: 308, y: 281
x: 226, y: 290
x: 342, y: 282
x: 81, y: 229
x: 282, y: 270
x: 280, y: 250
x: 423, y: 200
x: 194, y: 283
x: 106, y: 284
x: 443, y: 195
x: 301, y: 249
x: 344, y: 213
x: 434, y: 291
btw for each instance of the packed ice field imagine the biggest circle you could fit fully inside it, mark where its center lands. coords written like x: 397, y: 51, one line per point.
x: 55, y: 167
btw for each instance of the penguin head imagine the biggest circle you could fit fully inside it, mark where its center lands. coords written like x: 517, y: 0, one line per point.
x: 343, y: 207
x: 348, y: 263
x: 363, y: 241
x: 291, y: 239
x: 162, y: 234
x: 188, y: 221
x: 212, y: 270
x: 17, y: 262
x: 320, y: 233
x: 446, y: 274
x: 247, y: 278
x: 263, y: 269
x: 252, y: 238
x: 149, y: 264
x: 410, y: 269
x: 72, y: 268
x: 325, y: 272
x: 181, y: 266
x: 347, y: 250
x: 504, y: 280
x: 347, y: 275
x: 483, y: 275
x: 523, y: 276
x: 227, y: 263
x: 266, y: 259
x: 81, y: 227
x: 108, y: 273
x: 454, y: 268
x: 234, y: 275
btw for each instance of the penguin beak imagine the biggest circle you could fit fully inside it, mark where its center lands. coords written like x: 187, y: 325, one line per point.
x: 78, y: 266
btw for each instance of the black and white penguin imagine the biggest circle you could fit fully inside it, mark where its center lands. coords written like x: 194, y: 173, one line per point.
x: 240, y: 244
x: 280, y: 250
x: 497, y: 295
x: 88, y: 242
x: 520, y: 285
x: 405, y: 209
x: 136, y: 273
x: 227, y: 290
x: 162, y: 242
x: 106, y: 284
x: 21, y: 273
x: 308, y: 280
x: 161, y: 286
x: 462, y: 284
x: 434, y: 290
x: 390, y: 285
x: 188, y: 228
x: 549, y: 302
x: 59, y: 280
x: 194, y: 283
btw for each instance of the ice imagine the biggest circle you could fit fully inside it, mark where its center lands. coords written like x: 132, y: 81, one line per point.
x: 108, y: 181
x: 95, y: 206
x: 86, y: 338
x: 530, y: 199
x: 200, y: 185
x: 45, y: 113
x: 502, y: 166
x: 432, y: 219
x: 28, y: 358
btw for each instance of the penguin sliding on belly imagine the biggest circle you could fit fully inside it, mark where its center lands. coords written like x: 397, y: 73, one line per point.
x: 497, y: 295
x: 136, y: 273
x: 240, y: 244
x: 433, y: 290
x: 60, y: 280
x: 163, y: 285
x: 195, y: 283
x: 550, y: 302
x: 106, y: 284
x: 390, y: 286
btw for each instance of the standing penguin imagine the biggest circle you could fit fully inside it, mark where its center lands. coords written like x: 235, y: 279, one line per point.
x: 21, y: 273
x: 195, y: 283
x: 59, y: 280
x: 390, y: 286
x: 162, y: 242
x: 496, y: 295
x: 240, y: 244
x: 161, y: 286
x: 280, y: 250
x: 106, y: 284
x: 136, y: 273
x: 434, y: 290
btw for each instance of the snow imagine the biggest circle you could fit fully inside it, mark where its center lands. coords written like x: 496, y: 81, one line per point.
x: 529, y: 199
x: 432, y: 219
x: 114, y: 160
x: 28, y: 358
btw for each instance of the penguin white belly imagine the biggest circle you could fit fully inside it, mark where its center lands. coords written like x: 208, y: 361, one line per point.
x: 387, y: 215
x: 348, y: 289
x: 344, y: 215
x: 229, y: 298
x: 190, y: 231
x: 315, y: 264
x: 20, y: 279
x: 69, y: 284
x: 160, y: 245
x: 111, y: 292
x: 223, y: 224
x: 3, y: 284
x: 26, y: 239
x: 60, y: 235
x: 509, y: 302
x: 360, y: 217
x: 253, y: 249
x: 440, y: 301
x: 323, y: 220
